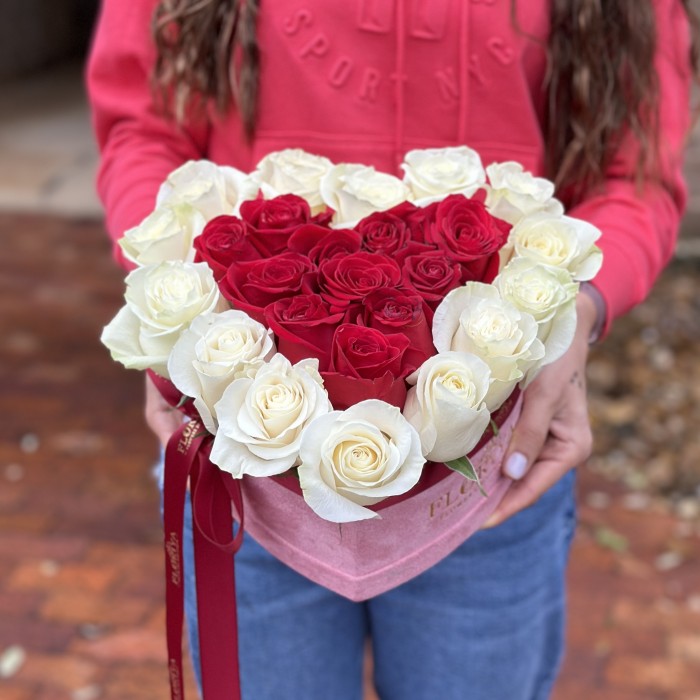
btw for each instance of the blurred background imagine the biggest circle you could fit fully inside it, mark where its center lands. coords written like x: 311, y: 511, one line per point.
x: 81, y: 592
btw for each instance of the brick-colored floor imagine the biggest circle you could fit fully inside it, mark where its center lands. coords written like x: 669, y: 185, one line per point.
x: 81, y: 590
x: 80, y: 563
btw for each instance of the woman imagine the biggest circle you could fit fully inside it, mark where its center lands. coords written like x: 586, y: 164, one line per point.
x: 594, y: 95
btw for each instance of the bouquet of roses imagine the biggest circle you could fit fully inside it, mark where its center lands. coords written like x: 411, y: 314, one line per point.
x: 352, y: 329
x: 343, y: 323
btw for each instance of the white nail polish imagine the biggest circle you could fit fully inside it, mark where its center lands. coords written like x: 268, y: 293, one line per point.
x: 516, y: 466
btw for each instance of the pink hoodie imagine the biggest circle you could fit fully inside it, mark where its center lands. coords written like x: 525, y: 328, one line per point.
x: 366, y: 80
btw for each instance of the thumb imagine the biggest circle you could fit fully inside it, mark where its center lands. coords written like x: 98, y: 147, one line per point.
x: 529, y: 434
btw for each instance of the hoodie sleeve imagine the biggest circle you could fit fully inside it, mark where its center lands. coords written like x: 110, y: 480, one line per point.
x: 640, y: 222
x: 138, y: 146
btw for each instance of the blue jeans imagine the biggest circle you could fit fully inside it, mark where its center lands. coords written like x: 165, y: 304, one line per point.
x: 486, y: 623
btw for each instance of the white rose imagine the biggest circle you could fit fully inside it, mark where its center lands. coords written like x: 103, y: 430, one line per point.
x: 548, y: 294
x: 475, y: 319
x: 358, y: 457
x: 165, y: 234
x: 161, y: 302
x: 262, y: 420
x: 212, y: 352
x: 513, y: 192
x: 433, y: 173
x: 560, y: 241
x: 293, y: 171
x: 211, y: 189
x: 446, y: 405
x: 356, y: 191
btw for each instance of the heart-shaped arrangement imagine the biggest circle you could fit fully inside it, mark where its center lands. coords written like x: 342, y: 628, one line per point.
x: 360, y: 338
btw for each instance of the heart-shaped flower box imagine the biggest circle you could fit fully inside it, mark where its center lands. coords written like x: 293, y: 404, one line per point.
x: 362, y: 559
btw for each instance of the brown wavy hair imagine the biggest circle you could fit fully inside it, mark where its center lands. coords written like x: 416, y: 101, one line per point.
x: 207, y: 51
x: 601, y: 77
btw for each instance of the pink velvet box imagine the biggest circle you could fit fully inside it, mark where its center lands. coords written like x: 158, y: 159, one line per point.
x: 363, y: 559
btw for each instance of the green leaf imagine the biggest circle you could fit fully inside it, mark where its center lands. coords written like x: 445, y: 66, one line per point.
x: 183, y: 400
x: 464, y: 466
x: 494, y: 427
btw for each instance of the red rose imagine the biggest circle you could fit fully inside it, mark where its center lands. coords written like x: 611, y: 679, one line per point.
x: 383, y: 232
x: 366, y: 353
x: 404, y: 211
x: 414, y: 248
x: 223, y: 242
x: 319, y: 243
x: 344, y: 391
x: 251, y: 286
x: 432, y: 275
x: 366, y: 363
x: 400, y: 311
x: 465, y: 230
x: 419, y: 220
x: 304, y: 327
x: 272, y: 221
x: 348, y: 279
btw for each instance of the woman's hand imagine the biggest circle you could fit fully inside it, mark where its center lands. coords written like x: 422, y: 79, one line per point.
x: 553, y: 433
x: 161, y: 417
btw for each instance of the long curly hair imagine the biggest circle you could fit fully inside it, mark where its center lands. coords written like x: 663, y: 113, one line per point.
x: 207, y: 51
x: 601, y: 81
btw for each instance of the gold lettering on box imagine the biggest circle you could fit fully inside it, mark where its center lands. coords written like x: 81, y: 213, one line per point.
x: 449, y: 501
x: 435, y: 506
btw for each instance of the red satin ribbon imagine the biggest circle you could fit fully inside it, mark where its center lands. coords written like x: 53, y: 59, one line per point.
x: 214, y: 494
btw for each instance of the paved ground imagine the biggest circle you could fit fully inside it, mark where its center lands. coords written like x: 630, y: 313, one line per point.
x: 81, y: 595
x: 80, y: 564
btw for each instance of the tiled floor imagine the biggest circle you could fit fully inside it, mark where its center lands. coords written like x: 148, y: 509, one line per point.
x: 81, y: 595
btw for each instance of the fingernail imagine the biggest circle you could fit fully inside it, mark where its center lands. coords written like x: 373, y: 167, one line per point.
x: 516, y: 465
